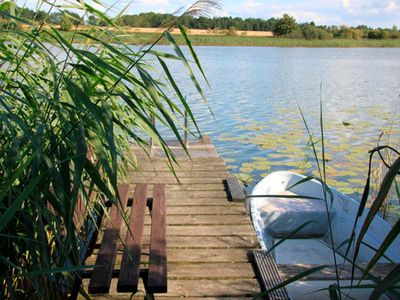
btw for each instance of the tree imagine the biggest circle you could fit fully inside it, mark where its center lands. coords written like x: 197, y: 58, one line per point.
x: 92, y: 20
x: 66, y: 23
x: 55, y: 18
x: 285, y: 25
x: 74, y: 17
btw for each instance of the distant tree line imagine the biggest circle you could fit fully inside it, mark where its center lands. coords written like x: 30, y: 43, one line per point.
x: 286, y: 26
x: 223, y: 23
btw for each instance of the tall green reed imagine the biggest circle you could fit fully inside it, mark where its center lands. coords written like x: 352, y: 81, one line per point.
x: 70, y: 110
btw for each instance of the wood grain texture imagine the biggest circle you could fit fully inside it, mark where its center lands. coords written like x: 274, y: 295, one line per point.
x: 268, y: 274
x: 207, y: 236
x: 235, y: 189
x: 130, y: 266
x: 102, y: 273
x: 157, y: 275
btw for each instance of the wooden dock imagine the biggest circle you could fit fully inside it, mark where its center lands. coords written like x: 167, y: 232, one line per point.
x: 207, y: 235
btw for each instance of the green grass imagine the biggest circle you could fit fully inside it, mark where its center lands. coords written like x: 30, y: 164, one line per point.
x: 218, y: 40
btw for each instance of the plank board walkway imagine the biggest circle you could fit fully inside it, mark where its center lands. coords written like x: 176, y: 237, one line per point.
x: 207, y: 236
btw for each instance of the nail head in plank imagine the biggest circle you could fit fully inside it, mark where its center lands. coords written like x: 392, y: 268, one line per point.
x: 102, y: 272
x: 130, y: 266
x: 157, y: 277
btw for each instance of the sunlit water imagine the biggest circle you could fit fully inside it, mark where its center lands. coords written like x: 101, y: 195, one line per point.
x: 258, y: 127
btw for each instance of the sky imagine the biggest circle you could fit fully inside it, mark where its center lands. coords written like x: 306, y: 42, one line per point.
x: 374, y: 13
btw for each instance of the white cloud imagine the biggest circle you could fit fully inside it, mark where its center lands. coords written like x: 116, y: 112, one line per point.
x: 393, y: 6
x: 346, y: 3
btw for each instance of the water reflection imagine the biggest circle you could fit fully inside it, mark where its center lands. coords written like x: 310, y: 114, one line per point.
x: 258, y: 128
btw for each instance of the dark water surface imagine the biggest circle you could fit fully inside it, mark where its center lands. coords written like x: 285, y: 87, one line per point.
x: 258, y: 127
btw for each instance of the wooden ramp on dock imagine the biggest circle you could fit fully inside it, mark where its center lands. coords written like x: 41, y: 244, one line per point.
x: 207, y: 235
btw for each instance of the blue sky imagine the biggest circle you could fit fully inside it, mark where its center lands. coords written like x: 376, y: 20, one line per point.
x: 375, y: 13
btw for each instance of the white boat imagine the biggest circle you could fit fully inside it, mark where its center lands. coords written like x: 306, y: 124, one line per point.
x: 280, y: 204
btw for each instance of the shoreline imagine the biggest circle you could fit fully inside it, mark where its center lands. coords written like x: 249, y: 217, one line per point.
x: 135, y: 38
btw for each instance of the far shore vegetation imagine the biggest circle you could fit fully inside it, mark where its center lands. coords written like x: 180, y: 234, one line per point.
x: 139, y: 38
x: 221, y: 31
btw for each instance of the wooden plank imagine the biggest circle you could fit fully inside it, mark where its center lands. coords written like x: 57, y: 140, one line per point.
x: 172, y: 180
x: 235, y: 189
x: 206, y: 230
x: 268, y: 274
x: 207, y: 210
x: 207, y: 255
x: 206, y: 220
x: 102, y: 273
x: 143, y: 159
x: 207, y: 242
x: 130, y: 266
x: 213, y: 288
x: 194, y: 187
x: 226, y: 289
x: 185, y: 201
x: 182, y: 167
x: 290, y: 270
x: 157, y: 276
x: 211, y: 242
x: 194, y: 174
x: 184, y: 256
x: 210, y: 271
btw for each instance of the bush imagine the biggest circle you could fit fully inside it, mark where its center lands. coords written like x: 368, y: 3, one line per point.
x: 394, y: 35
x: 378, y: 34
x: 314, y: 33
x: 66, y: 23
x: 295, y: 34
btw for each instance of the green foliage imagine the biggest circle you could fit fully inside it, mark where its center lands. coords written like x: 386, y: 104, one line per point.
x: 311, y: 32
x: 285, y: 25
x: 66, y: 23
x: 378, y: 34
x: 70, y: 111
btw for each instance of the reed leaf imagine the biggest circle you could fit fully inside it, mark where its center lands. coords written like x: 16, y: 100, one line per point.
x: 379, y: 200
x: 387, y: 283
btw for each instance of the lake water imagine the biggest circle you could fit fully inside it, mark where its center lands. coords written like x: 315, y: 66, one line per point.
x: 258, y: 128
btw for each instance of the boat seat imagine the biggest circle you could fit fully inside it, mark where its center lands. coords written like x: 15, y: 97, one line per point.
x: 282, y: 216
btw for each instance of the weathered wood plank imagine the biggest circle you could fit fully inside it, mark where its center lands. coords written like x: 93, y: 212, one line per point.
x: 193, y: 187
x: 213, y: 288
x: 207, y: 242
x: 102, y: 273
x: 185, y: 201
x: 227, y: 289
x: 268, y: 274
x: 207, y: 210
x: 182, y: 256
x: 207, y: 230
x: 172, y: 180
x: 235, y: 189
x: 130, y: 266
x: 182, y: 167
x: 157, y: 275
x: 210, y: 271
x: 194, y: 174
x: 206, y: 220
